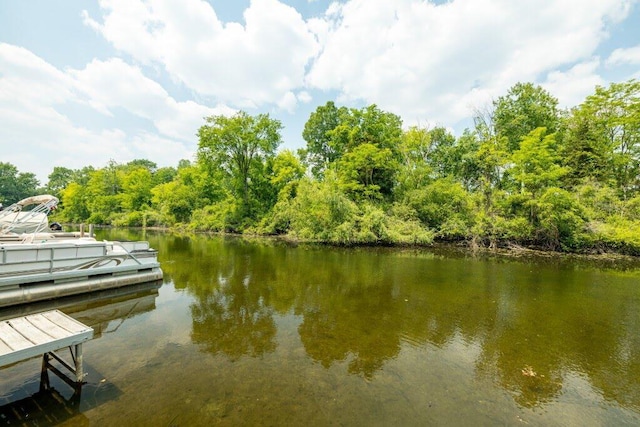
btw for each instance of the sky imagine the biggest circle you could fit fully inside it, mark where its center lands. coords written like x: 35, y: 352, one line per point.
x: 87, y: 82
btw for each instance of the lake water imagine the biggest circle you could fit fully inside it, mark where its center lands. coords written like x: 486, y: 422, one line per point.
x: 257, y: 332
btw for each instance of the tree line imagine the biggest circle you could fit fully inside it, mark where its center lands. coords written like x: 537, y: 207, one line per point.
x: 526, y: 173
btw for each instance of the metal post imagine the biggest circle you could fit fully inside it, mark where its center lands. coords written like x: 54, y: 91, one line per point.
x: 78, y: 360
x: 44, y: 373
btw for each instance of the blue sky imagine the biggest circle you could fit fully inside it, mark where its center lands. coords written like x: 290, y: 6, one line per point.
x: 85, y: 82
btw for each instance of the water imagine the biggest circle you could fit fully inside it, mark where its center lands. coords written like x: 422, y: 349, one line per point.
x: 258, y: 332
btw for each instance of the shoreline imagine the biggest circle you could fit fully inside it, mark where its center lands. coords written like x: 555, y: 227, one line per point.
x: 509, y: 250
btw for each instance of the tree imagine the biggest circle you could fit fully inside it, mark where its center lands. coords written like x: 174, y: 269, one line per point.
x: 284, y: 168
x: 136, y: 188
x: 239, y: 146
x: 102, y: 194
x: 536, y: 162
x: 164, y: 175
x: 14, y: 185
x: 414, y: 170
x: 369, y: 125
x: 524, y: 108
x: 320, y: 150
x: 191, y: 189
x: 59, y: 178
x: 586, y: 152
x: 368, y: 171
x: 615, y: 113
x: 489, y: 161
x: 332, y: 132
x: 74, y: 200
x: 147, y: 164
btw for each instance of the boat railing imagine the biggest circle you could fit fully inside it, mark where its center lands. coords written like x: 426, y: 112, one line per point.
x: 20, y: 218
x: 129, y: 254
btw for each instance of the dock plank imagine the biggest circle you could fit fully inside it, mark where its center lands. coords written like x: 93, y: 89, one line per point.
x: 48, y: 327
x: 12, y: 338
x: 29, y: 331
x: 66, y: 332
x: 4, y: 348
x: 65, y: 322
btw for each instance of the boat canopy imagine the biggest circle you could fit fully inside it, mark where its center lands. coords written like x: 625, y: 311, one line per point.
x: 16, y: 221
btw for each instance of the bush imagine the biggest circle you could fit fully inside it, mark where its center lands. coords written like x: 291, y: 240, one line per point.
x: 562, y: 219
x: 219, y: 217
x: 444, y: 206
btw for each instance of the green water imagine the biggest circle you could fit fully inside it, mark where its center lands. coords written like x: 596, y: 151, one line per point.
x: 263, y: 333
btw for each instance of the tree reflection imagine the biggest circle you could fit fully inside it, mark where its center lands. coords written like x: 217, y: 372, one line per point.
x: 340, y: 328
x: 537, y: 324
x: 230, y: 314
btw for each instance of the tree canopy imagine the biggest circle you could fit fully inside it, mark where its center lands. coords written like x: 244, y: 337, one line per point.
x: 525, y: 173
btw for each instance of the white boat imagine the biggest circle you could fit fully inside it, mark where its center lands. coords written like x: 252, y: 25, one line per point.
x: 38, y: 265
x: 15, y: 220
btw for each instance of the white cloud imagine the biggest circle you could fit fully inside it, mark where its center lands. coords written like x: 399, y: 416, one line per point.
x: 288, y: 102
x: 573, y: 86
x: 427, y: 62
x: 35, y: 99
x: 115, y: 84
x: 304, y: 97
x: 624, y: 56
x: 247, y: 65
x: 430, y: 61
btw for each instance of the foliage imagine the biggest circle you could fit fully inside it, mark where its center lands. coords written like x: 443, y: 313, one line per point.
x: 367, y: 172
x: 535, y: 163
x: 525, y: 174
x: 59, y: 178
x: 321, y: 149
x: 443, y: 205
x: 615, y: 114
x: 192, y: 188
x: 561, y: 219
x: 219, y: 217
x: 524, y: 108
x: 321, y: 211
x: 238, y: 146
x: 14, y: 185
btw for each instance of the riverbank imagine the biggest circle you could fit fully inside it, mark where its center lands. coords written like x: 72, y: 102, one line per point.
x: 460, y: 248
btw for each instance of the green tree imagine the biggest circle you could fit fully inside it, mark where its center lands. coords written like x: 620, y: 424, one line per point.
x: 615, y: 112
x: 368, y: 171
x: 369, y: 125
x: 144, y: 163
x: 489, y: 161
x: 332, y: 132
x: 239, y: 146
x: 586, y: 152
x: 524, y: 108
x: 136, y: 188
x: 191, y: 189
x: 443, y: 205
x: 74, y: 201
x: 414, y: 170
x: 321, y: 149
x: 14, y: 185
x: 164, y: 175
x: 536, y: 163
x: 284, y: 169
x: 103, y: 193
x: 59, y: 178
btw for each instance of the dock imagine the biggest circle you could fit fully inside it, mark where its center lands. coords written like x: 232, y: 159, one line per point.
x: 42, y: 334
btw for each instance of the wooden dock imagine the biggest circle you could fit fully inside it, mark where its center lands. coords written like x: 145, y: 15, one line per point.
x: 25, y: 337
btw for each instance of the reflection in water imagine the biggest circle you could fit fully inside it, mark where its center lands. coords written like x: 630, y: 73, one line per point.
x: 376, y: 335
x: 58, y: 399
x: 535, y: 322
x: 47, y: 406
